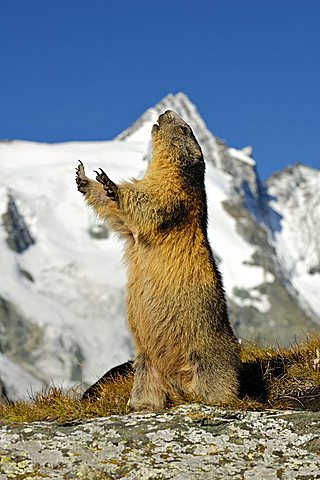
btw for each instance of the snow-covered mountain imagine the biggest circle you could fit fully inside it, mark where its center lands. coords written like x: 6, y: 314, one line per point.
x: 295, y: 196
x: 62, y: 284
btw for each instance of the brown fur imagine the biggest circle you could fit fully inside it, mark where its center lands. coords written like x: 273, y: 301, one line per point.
x: 176, y: 306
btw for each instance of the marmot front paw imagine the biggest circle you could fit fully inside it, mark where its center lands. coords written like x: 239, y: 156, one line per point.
x: 81, y: 179
x: 109, y: 186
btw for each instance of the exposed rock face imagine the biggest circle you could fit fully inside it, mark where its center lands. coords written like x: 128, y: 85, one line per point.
x: 23, y: 343
x: 284, y: 313
x: 19, y: 338
x: 191, y: 442
x: 19, y: 236
x: 295, y: 195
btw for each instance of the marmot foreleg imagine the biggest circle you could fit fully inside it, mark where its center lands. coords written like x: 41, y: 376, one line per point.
x: 102, y: 195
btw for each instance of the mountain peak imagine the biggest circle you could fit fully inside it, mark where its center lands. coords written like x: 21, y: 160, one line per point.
x: 178, y: 102
x: 298, y: 169
x: 140, y: 130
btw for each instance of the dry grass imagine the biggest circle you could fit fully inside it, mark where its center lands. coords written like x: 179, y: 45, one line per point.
x: 271, y: 378
x: 282, y: 378
x: 54, y: 404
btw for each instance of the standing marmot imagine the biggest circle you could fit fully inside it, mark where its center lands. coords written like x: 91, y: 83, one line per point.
x: 176, y: 306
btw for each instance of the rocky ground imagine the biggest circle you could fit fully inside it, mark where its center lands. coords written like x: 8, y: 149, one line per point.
x: 189, y: 442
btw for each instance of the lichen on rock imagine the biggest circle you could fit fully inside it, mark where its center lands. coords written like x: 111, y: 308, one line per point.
x: 188, y: 442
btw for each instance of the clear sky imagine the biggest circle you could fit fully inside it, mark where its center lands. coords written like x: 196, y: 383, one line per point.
x: 86, y: 69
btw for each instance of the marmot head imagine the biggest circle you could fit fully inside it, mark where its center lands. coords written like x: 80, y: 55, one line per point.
x: 174, y: 135
x: 174, y: 145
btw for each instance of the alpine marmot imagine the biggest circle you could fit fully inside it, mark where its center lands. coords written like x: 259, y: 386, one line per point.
x: 176, y: 306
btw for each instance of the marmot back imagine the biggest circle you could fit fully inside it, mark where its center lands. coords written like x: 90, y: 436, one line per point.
x: 176, y: 307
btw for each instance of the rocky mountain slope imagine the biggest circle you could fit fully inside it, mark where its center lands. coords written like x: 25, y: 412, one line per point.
x: 62, y: 283
x: 295, y: 196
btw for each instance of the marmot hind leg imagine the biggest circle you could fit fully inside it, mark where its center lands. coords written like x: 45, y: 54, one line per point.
x: 215, y: 386
x: 148, y: 393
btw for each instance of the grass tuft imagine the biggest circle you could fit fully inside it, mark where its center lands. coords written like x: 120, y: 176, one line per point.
x: 283, y: 378
x: 55, y: 405
x: 271, y: 378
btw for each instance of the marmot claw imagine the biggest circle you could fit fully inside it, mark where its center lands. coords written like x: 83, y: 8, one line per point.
x: 109, y: 186
x: 81, y: 179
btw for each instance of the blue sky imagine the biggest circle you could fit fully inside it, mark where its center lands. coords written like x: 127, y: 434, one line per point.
x: 84, y: 70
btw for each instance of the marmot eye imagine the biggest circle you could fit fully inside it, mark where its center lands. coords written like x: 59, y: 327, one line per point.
x: 184, y: 129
